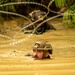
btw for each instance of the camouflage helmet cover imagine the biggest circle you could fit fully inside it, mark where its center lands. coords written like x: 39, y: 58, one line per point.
x: 43, y: 46
x: 37, y: 15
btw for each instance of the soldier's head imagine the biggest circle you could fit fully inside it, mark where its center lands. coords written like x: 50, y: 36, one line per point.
x: 42, y: 50
x: 37, y: 15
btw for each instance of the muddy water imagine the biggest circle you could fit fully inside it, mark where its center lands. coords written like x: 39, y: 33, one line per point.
x: 14, y: 62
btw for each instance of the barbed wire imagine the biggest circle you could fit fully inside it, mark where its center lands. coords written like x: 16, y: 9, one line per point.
x: 21, y: 40
x: 45, y: 21
x: 50, y: 3
x: 4, y: 36
x: 23, y: 17
x: 11, y: 13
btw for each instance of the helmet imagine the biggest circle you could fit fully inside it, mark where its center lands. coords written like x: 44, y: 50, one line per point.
x: 43, y: 46
x: 37, y: 15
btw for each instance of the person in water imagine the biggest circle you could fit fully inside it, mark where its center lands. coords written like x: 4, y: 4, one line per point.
x: 42, y: 50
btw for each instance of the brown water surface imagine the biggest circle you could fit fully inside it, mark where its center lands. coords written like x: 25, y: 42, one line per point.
x: 14, y: 62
